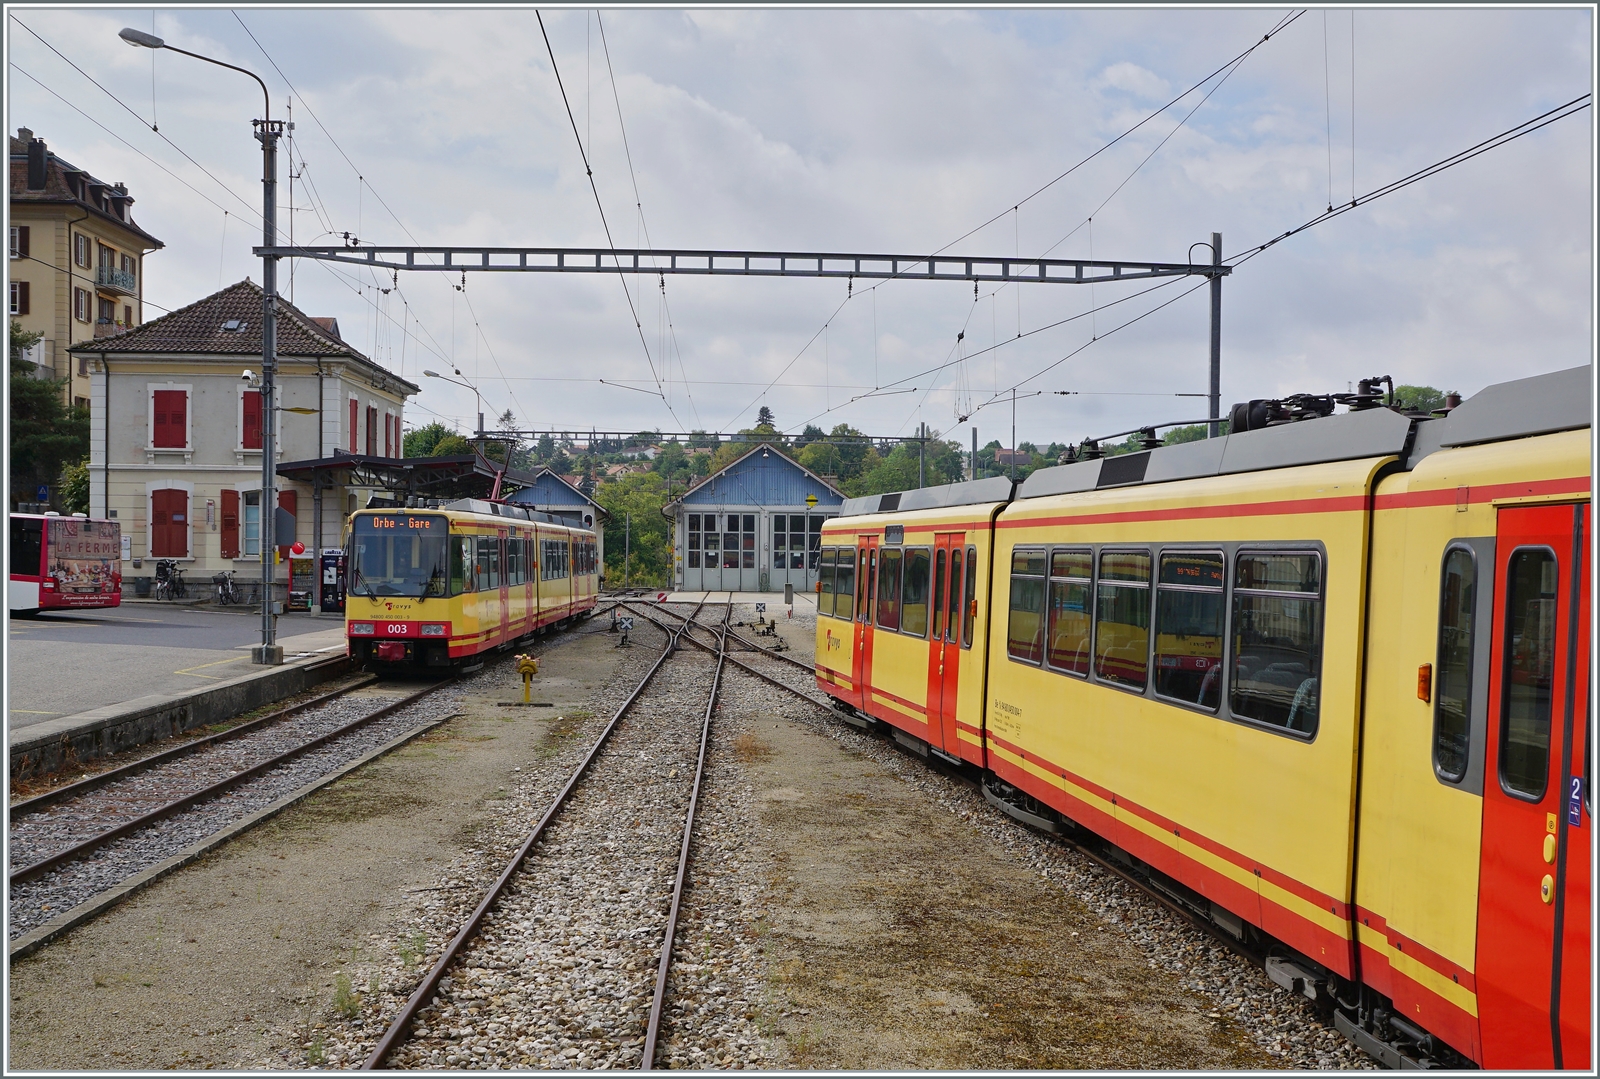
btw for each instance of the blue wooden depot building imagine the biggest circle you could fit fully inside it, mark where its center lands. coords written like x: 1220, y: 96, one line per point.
x: 749, y: 528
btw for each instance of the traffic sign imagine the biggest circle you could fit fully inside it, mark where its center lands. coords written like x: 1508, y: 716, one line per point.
x: 811, y: 501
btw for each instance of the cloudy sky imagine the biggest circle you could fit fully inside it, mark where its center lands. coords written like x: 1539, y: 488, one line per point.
x: 867, y: 131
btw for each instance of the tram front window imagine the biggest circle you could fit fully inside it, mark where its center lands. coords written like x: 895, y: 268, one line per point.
x: 399, y: 555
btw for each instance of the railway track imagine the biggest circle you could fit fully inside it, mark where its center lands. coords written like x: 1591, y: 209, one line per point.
x: 586, y: 912
x: 76, y: 850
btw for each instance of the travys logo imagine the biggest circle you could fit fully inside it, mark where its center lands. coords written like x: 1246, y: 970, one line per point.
x: 832, y: 642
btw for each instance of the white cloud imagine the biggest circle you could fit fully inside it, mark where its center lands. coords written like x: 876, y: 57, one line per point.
x: 875, y: 130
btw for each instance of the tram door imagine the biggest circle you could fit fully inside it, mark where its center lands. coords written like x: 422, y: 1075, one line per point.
x: 866, y: 585
x: 944, y: 640
x: 502, y: 578
x: 1533, y: 963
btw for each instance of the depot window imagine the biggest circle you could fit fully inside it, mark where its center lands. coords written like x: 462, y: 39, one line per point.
x: 1277, y: 639
x: 1189, y: 630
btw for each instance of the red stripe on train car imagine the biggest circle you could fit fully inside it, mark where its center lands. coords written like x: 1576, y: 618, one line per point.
x: 1332, y: 504
x: 1488, y: 492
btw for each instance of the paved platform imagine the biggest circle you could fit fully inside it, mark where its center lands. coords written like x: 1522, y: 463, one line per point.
x: 803, y: 601
x: 66, y: 663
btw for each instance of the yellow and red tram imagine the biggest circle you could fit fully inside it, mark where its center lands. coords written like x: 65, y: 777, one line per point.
x: 441, y: 586
x: 1326, y: 682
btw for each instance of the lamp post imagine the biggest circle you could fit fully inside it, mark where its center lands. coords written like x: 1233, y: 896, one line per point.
x: 466, y: 385
x: 267, y: 132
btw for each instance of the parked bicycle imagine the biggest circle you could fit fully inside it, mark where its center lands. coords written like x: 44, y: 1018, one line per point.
x: 169, y: 580
x: 227, y: 591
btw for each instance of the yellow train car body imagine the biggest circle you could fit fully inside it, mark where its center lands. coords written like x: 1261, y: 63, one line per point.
x: 1256, y: 817
x: 1417, y: 904
x: 438, y: 587
x: 902, y: 643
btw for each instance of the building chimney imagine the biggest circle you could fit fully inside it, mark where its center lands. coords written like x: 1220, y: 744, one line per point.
x: 24, y: 135
x: 37, y: 156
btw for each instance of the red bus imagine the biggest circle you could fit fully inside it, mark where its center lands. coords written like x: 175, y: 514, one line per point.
x: 61, y: 561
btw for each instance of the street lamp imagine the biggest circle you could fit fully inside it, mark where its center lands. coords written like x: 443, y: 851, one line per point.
x: 268, y: 131
x: 466, y: 385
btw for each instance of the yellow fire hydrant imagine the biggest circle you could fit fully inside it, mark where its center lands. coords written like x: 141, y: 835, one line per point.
x: 527, y: 666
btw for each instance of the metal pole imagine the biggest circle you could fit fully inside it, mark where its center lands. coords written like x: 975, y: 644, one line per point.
x: 1216, y: 337
x: 627, y: 546
x: 922, y: 455
x: 1013, y: 434
x: 269, y: 651
x: 973, y: 463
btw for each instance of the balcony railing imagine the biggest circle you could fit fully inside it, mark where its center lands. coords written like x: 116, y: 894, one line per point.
x: 107, y: 328
x: 115, y: 280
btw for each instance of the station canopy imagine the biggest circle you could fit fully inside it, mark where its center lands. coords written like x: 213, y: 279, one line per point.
x: 465, y: 476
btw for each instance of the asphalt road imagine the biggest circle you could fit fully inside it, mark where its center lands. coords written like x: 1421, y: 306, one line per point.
x: 68, y: 662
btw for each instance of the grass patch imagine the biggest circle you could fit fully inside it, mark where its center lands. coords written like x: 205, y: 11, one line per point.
x: 749, y: 748
x: 345, y: 1001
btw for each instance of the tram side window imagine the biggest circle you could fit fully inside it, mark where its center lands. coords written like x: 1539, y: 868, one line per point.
x: 914, y: 597
x: 1025, y: 627
x: 1277, y: 639
x: 1452, y: 709
x: 969, y: 608
x: 27, y: 546
x: 1122, y: 618
x: 1069, y: 611
x: 864, y: 578
x: 513, y: 560
x: 1530, y: 667
x: 1189, y: 608
x: 952, y: 628
x: 462, y: 558
x: 889, y: 559
x: 825, y: 583
x: 844, y: 584
x: 940, y: 573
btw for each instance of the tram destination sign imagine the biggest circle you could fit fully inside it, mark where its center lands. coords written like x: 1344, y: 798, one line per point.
x: 402, y: 523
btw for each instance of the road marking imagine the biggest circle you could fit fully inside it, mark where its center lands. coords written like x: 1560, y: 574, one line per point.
x: 200, y: 667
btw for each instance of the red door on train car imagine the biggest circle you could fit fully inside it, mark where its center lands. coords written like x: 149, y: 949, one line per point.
x: 861, y: 660
x: 1533, y: 964
x: 944, y: 641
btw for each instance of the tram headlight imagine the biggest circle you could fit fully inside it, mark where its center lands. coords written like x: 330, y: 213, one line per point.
x: 435, y: 629
x: 360, y: 629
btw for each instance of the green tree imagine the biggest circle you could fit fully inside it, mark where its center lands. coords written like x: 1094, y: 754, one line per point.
x: 765, y: 418
x: 451, y: 446
x: 1420, y: 398
x: 641, y: 495
x: 699, y: 440
x: 75, y: 487
x: 45, y: 433
x: 422, y: 441
x: 1194, y: 432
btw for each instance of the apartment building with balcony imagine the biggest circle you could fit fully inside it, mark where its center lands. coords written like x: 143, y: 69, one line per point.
x: 76, y: 266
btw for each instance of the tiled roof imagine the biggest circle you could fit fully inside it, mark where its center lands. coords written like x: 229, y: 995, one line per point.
x: 198, y: 328
x: 109, y: 202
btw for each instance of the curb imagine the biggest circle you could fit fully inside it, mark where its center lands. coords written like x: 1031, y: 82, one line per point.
x: 35, y: 939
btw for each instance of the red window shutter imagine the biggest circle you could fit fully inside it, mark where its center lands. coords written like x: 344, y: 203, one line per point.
x: 387, y: 442
x: 287, y: 500
x: 372, y: 431
x: 230, y: 524
x: 169, y: 527
x: 353, y: 425
x: 170, y: 410
x: 252, y: 420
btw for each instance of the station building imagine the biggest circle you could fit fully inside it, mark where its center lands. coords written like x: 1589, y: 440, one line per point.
x: 753, y: 526
x: 175, y: 432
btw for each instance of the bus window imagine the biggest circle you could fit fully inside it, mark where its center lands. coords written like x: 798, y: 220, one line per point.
x: 1452, y: 708
x: 1122, y: 618
x: 27, y: 547
x: 889, y: 587
x: 1025, y: 627
x: 1277, y: 639
x: 1189, y: 606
